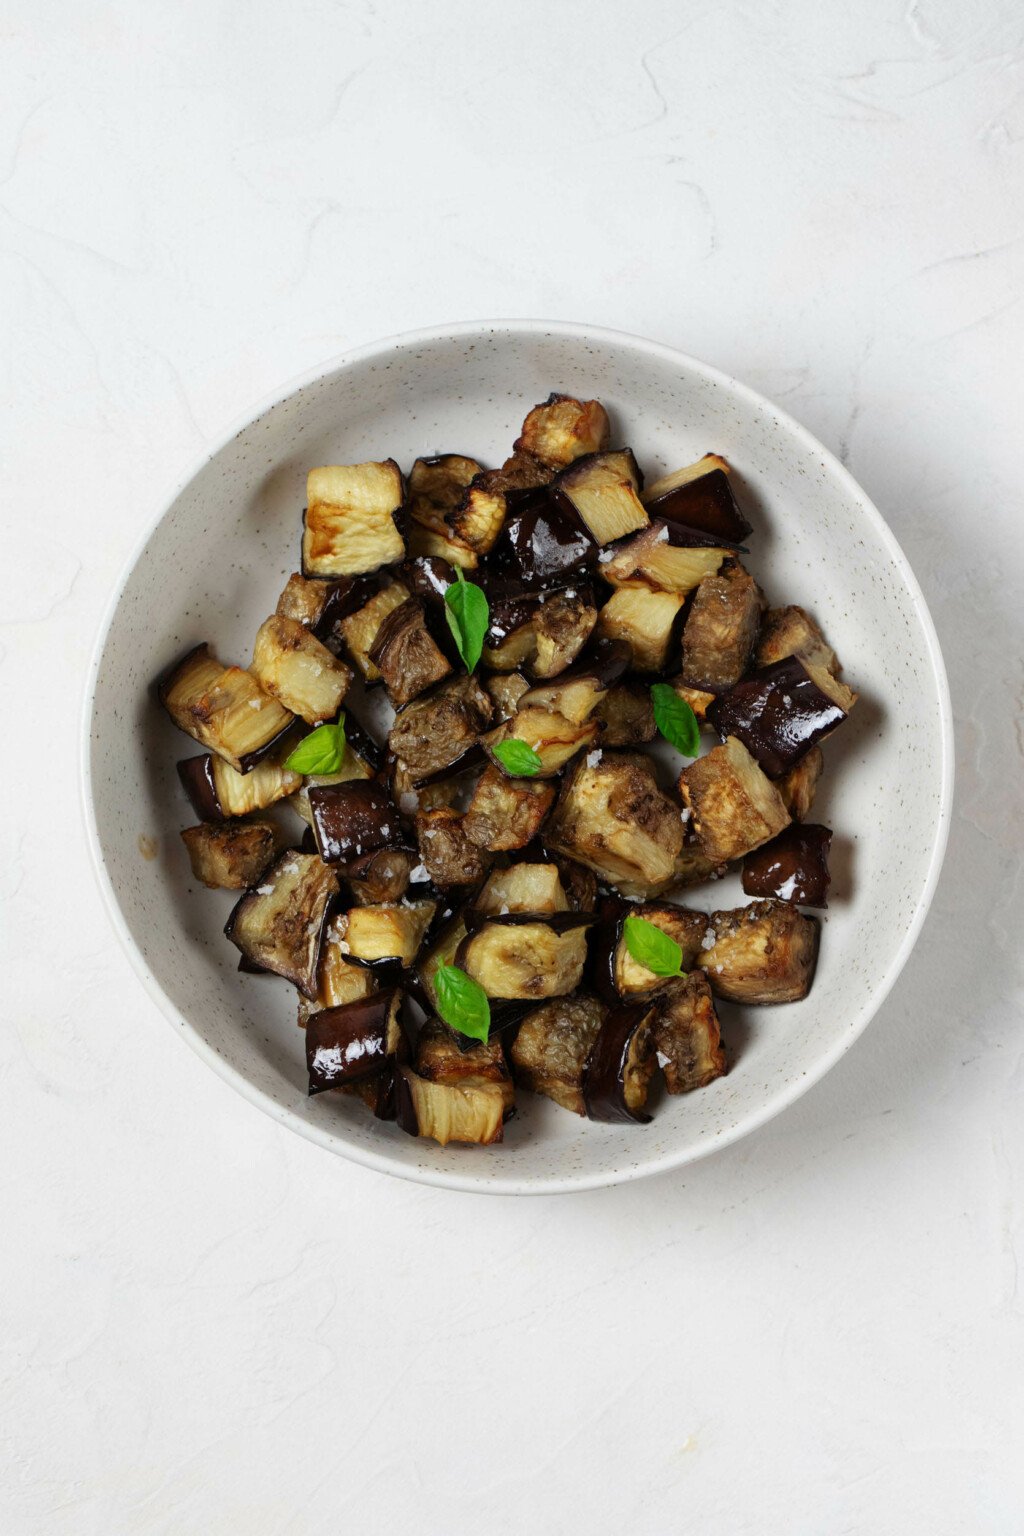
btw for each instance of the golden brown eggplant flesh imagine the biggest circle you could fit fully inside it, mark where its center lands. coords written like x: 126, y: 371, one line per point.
x: 525, y: 887
x: 792, y: 632
x: 357, y: 629
x: 406, y: 654
x: 782, y: 711
x: 278, y: 925
x: 451, y: 859
x: 381, y: 877
x: 541, y: 634
x: 446, y: 1112
x: 621, y: 1063
x: 224, y: 709
x: 294, y: 667
x: 435, y: 730
x: 563, y: 429
x: 654, y: 558
x: 551, y: 1047
x: 351, y: 522
x: 353, y: 1041
x: 577, y: 693
x: 217, y: 792
x: 647, y: 621
x: 444, y: 1057
x: 687, y: 1037
x: 505, y: 814
x: 554, y: 739
x: 721, y: 628
x: 735, y: 807
x: 614, y: 974
x: 392, y: 931
x: 764, y: 953
x: 603, y: 489
x: 792, y: 867
x: 798, y: 786
x: 626, y: 716
x: 612, y: 818
x: 526, y: 959
x: 231, y: 856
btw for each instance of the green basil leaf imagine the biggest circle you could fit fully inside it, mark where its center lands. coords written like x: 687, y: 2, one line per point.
x: 322, y: 751
x: 518, y: 757
x: 652, y: 948
x: 675, y: 719
x: 468, y: 615
x: 462, y: 1002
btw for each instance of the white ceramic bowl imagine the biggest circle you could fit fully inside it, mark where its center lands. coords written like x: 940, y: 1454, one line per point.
x: 211, y: 567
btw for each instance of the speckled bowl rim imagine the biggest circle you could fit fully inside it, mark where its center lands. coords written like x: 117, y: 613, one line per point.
x: 480, y: 1183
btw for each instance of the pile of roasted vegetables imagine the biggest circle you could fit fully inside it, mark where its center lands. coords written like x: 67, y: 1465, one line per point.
x: 478, y: 905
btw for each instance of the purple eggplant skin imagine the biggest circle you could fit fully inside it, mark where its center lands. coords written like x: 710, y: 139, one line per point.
x: 541, y: 545
x: 196, y: 775
x: 792, y: 867
x: 704, y: 506
x: 474, y: 757
x: 362, y: 743
x: 350, y: 1042
x: 510, y: 612
x: 428, y: 577
x: 404, y: 1105
x: 779, y: 714
x: 606, y: 661
x: 353, y: 820
x: 604, y: 1071
x: 250, y: 968
x: 605, y: 937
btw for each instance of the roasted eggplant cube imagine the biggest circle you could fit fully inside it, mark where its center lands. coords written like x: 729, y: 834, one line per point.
x: 359, y: 629
x: 477, y: 520
x: 432, y: 732
x: 617, y: 975
x: 792, y: 867
x: 540, y: 547
x: 352, y: 771
x: 436, y: 486
x: 351, y: 821
x: 337, y: 979
x: 700, y: 497
x: 525, y: 887
x: 576, y: 694
x: 447, y: 1112
x: 351, y: 519
x: 231, y: 856
x: 543, y: 634
x: 524, y: 960
x: 735, y: 807
x: 291, y: 664
x: 563, y: 429
x: 406, y: 654
x: 380, y: 878
x: 763, y: 953
x: 782, y: 711
x: 304, y: 600
x: 218, y: 792
x: 223, y: 708
x: 451, y: 859
x: 653, y: 558
x: 613, y: 818
x: 551, y: 1049
x: 353, y: 1041
x: 626, y: 716
x: 686, y: 1035
x: 392, y: 932
x: 506, y: 689
x: 721, y: 628
x: 603, y: 489
x: 646, y: 620
x: 554, y: 739
x: 620, y: 1066
x: 505, y: 814
x: 278, y: 925
x: 698, y: 699
x: 797, y: 786
x: 792, y: 632
x: 441, y: 1058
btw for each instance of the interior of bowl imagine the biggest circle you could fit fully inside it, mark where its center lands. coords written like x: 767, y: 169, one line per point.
x: 212, y: 570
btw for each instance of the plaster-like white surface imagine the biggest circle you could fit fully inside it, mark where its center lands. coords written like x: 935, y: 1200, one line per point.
x: 207, y: 1324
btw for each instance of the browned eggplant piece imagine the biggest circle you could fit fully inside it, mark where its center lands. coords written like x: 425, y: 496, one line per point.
x: 406, y: 654
x: 551, y: 1048
x: 577, y: 693
x: 337, y: 979
x: 353, y: 1041
x: 451, y: 859
x: 735, y: 807
x: 700, y: 497
x: 655, y: 558
x: 603, y: 489
x: 626, y: 716
x: 526, y: 887
x: 563, y: 429
x: 554, y: 739
x: 520, y: 958
x: 798, y: 786
x: 433, y: 732
x: 622, y: 1061
x: 304, y: 600
x: 540, y: 632
x: 279, y: 924
x: 721, y: 628
x: 217, y: 792
x: 792, y: 632
x: 291, y: 665
x: 353, y: 820
x: 697, y: 698
x: 479, y: 516
x: 231, y: 856
x: 353, y: 770
x: 321, y: 605
x: 506, y: 689
x: 224, y: 709
x: 505, y: 814
x: 646, y: 620
x: 686, y: 1035
x: 541, y: 546
x: 428, y: 577
x: 792, y: 867
x: 387, y: 932
x: 441, y: 1057
x: 351, y: 519
x: 615, y: 974
x: 612, y: 817
x: 447, y: 1112
x: 379, y: 878
x: 358, y: 629
x: 436, y: 486
x: 693, y: 867
x: 782, y: 711
x: 763, y: 953
x: 438, y: 950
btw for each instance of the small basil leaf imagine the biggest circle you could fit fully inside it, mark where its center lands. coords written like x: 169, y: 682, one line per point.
x: 468, y: 615
x: 518, y: 757
x: 462, y: 1002
x: 675, y: 719
x: 652, y: 948
x: 322, y: 751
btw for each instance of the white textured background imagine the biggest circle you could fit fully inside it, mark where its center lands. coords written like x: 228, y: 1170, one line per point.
x: 207, y: 1325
